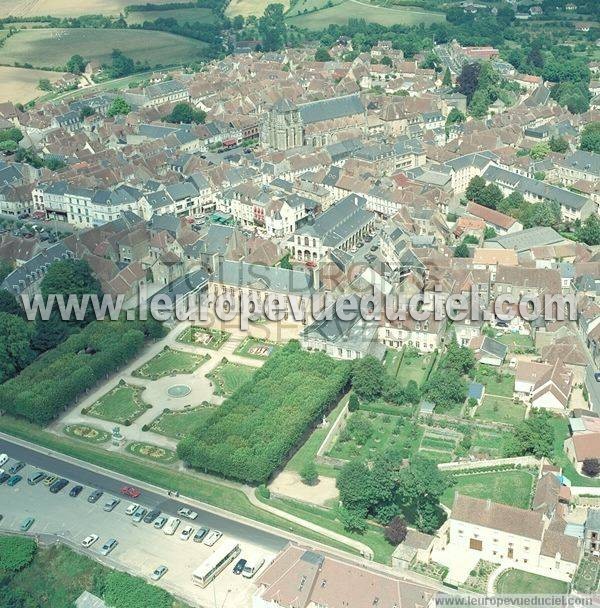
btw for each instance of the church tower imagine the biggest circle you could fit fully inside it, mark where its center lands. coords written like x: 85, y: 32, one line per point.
x: 282, y: 127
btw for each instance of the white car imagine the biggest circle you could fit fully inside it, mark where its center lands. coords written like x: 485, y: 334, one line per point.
x: 187, y: 513
x: 158, y: 573
x: 3, y: 459
x: 186, y: 533
x: 212, y: 537
x: 131, y: 509
x: 88, y: 541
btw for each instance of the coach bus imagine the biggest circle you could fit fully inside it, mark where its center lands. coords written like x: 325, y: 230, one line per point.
x: 216, y: 563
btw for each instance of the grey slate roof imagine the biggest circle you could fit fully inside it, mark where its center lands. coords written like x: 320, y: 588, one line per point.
x: 524, y: 240
x: 328, y: 109
x: 582, y: 160
x: 340, y: 221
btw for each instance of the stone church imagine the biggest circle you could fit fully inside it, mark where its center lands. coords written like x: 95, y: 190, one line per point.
x: 316, y: 123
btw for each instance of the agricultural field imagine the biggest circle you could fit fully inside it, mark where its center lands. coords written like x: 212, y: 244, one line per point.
x: 250, y: 7
x: 66, y: 8
x: 357, y: 9
x: 180, y: 423
x: 122, y: 404
x: 20, y: 85
x: 169, y: 362
x: 228, y: 377
x: 52, y: 48
x: 512, y: 487
x: 181, y: 15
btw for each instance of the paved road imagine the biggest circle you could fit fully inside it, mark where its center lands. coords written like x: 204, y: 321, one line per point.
x: 80, y: 474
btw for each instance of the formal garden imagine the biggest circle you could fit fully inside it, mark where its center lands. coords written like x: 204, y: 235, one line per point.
x: 227, y: 377
x: 255, y: 348
x: 170, y: 362
x: 518, y: 581
x: 151, y: 452
x: 122, y: 404
x: 477, y: 580
x: 206, y: 337
x: 587, y: 577
x: 180, y: 423
x: 86, y: 433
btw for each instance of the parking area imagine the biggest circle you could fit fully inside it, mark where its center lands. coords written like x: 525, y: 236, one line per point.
x: 141, y: 548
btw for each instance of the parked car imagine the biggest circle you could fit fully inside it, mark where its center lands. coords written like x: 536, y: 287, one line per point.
x: 186, y: 533
x: 88, y: 541
x: 171, y: 526
x: 35, y: 478
x: 158, y: 573
x: 212, y: 537
x: 75, y: 491
x: 130, y: 491
x: 109, y: 505
x: 14, y: 480
x: 26, y: 524
x: 16, y: 467
x: 3, y: 459
x: 187, y: 513
x: 200, y: 534
x: 239, y: 567
x: 95, y: 496
x: 131, y: 509
x: 50, y: 479
x: 139, y: 514
x: 151, y: 516
x: 4, y: 477
x: 160, y: 521
x: 57, y: 486
x: 108, y: 546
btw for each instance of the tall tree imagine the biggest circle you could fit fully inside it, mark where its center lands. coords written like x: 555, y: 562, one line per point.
x: 368, y: 378
x: 447, y: 80
x: 590, y: 137
x: 475, y: 188
x: 272, y: 28
x: 15, y: 345
x: 468, y: 80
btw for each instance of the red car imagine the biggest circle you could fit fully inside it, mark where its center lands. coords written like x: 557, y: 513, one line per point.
x: 130, y: 491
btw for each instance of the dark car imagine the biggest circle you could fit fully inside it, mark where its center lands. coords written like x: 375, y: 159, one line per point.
x: 239, y: 567
x: 16, y: 467
x: 4, y: 477
x: 95, y: 495
x: 200, y: 534
x: 75, y: 491
x: 597, y: 376
x: 151, y: 516
x: 57, y: 486
x: 14, y: 480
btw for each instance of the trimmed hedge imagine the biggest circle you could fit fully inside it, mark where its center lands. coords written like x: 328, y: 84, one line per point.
x: 57, y: 378
x: 255, y: 430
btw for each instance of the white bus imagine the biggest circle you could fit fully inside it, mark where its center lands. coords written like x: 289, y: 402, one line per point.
x: 216, y: 563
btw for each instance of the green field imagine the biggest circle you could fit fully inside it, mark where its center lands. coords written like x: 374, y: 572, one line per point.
x: 518, y: 581
x: 512, y: 487
x: 169, y: 362
x: 357, y: 9
x: 181, y: 423
x: 54, y: 47
x: 122, y: 404
x: 182, y: 15
x: 500, y: 409
x: 227, y: 377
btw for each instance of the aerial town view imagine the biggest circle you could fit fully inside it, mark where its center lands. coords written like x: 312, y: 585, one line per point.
x: 299, y: 303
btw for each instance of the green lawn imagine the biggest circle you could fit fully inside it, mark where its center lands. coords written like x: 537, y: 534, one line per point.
x: 255, y: 348
x: 495, y: 383
x: 512, y: 487
x: 229, y: 377
x: 518, y: 581
x: 206, y: 337
x: 169, y: 362
x: 122, y: 404
x: 500, y: 409
x: 52, y: 47
x: 414, y: 367
x: 391, y: 361
x: 212, y: 493
x: 516, y: 342
x: 181, y: 423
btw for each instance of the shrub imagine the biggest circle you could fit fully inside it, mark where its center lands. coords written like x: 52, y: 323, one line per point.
x: 591, y: 467
x: 125, y: 591
x: 395, y: 532
x: 16, y: 552
x: 309, y: 473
